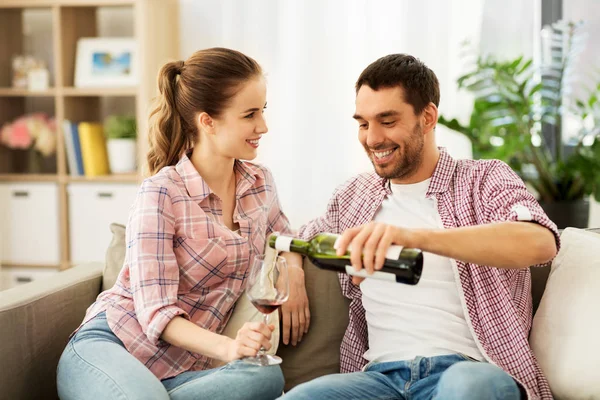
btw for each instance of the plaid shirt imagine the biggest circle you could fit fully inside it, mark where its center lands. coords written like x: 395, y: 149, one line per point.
x: 497, y: 302
x: 182, y: 260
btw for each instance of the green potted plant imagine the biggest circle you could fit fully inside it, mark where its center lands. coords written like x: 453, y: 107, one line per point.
x: 121, y: 132
x: 517, y: 117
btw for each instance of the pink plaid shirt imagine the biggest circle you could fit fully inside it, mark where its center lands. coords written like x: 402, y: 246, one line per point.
x: 182, y: 260
x: 498, y: 301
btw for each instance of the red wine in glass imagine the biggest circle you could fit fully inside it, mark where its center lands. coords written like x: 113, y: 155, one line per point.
x: 266, y: 306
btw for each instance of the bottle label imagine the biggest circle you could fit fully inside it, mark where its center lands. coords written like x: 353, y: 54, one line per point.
x: 384, y: 276
x: 393, y: 252
x: 283, y: 243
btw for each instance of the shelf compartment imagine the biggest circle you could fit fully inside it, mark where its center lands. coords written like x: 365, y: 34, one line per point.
x: 28, y: 31
x: 17, y: 161
x: 80, y: 21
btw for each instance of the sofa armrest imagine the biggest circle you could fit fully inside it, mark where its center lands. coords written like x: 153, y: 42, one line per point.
x: 36, y: 320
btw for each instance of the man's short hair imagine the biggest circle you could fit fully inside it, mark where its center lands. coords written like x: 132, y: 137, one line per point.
x: 419, y: 83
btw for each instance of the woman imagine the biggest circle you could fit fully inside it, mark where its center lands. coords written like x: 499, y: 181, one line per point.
x: 193, y: 230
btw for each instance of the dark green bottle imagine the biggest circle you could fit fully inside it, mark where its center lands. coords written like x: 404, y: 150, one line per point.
x: 401, y: 265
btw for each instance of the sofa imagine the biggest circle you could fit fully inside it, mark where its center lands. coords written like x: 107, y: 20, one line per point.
x: 37, y: 318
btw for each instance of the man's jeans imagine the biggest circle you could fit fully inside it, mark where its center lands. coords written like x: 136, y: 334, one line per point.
x: 442, y: 377
x: 95, y: 365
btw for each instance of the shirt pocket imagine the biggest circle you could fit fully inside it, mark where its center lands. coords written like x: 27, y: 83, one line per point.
x: 203, y: 263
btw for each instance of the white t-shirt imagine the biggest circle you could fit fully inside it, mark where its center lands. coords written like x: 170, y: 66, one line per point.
x: 426, y: 319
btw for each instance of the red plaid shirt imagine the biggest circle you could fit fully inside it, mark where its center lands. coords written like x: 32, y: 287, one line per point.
x: 182, y: 260
x: 498, y: 301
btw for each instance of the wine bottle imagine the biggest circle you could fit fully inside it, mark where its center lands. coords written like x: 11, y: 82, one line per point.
x: 403, y: 265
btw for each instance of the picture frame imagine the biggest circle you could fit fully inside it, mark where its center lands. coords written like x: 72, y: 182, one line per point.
x: 106, y: 62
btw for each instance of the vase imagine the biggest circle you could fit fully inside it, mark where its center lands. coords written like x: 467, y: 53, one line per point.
x: 31, y: 161
x: 567, y: 214
x: 34, y: 162
x: 121, y: 155
x: 19, y: 161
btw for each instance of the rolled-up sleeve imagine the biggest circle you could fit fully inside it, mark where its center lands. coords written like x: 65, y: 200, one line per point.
x: 506, y: 198
x: 154, y: 273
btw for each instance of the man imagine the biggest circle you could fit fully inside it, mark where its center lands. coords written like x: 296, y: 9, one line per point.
x: 462, y: 331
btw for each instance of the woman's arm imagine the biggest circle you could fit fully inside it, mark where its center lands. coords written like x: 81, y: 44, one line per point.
x: 185, y: 334
x: 295, y: 313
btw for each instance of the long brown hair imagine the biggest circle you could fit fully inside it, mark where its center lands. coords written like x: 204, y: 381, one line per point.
x: 205, y: 82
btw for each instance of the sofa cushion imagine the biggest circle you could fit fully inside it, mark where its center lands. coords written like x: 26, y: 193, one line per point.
x: 566, y: 328
x: 319, y: 352
x: 115, y: 256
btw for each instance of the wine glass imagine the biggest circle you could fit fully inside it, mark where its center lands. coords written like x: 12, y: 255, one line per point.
x: 268, y: 288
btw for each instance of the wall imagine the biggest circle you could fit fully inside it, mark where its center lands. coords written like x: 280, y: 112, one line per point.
x: 313, y: 51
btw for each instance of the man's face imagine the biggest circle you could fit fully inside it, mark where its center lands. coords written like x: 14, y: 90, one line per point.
x: 390, y: 132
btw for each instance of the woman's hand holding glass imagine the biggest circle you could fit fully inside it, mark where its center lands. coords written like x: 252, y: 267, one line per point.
x: 249, y: 340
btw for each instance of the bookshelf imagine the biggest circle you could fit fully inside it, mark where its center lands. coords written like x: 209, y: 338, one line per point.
x: 57, y: 27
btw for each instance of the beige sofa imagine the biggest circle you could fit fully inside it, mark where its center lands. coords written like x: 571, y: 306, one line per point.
x: 37, y: 318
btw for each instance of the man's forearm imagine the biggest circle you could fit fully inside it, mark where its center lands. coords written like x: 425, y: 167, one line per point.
x: 501, y: 245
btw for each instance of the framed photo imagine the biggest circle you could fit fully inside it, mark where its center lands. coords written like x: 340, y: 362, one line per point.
x: 106, y: 62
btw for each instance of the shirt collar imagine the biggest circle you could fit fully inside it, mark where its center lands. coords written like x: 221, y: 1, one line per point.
x: 443, y: 173
x: 245, y: 176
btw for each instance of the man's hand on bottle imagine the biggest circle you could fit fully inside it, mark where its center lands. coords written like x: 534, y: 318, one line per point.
x: 295, y: 313
x: 372, y: 241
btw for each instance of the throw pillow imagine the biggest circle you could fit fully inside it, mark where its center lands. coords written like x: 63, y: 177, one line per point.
x: 115, y: 256
x: 565, y: 336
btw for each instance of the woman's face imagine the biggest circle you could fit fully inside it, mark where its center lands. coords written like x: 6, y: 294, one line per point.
x: 239, y: 129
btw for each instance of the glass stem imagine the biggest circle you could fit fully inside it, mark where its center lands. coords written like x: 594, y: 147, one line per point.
x: 262, y: 351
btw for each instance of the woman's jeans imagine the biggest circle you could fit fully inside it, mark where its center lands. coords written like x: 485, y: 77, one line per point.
x: 95, y: 365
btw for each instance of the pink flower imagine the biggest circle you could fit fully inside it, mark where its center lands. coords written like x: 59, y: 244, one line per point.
x: 19, y: 136
x: 37, y: 130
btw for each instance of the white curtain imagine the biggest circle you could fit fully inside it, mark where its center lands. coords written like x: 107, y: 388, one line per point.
x: 313, y: 51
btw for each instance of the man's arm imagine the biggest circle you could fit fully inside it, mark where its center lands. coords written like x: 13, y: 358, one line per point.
x: 512, y: 232
x: 501, y: 245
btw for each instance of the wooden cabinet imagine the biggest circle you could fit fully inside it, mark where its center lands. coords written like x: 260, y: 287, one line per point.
x: 50, y: 30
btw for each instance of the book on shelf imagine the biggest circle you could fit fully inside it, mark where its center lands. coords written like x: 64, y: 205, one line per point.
x: 93, y: 149
x: 73, y: 148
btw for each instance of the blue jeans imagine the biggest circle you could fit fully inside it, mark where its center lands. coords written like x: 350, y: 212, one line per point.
x: 443, y: 377
x: 95, y: 365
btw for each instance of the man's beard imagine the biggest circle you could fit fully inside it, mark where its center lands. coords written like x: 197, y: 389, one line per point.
x: 410, y: 158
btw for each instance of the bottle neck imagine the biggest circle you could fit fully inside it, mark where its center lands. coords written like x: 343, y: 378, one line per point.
x: 288, y: 243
